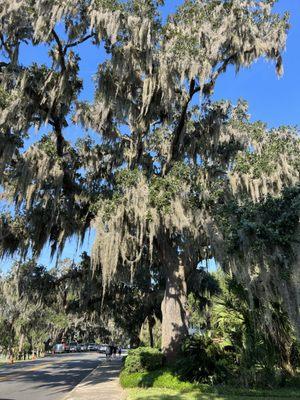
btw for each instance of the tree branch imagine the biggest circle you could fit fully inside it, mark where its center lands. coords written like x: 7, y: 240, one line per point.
x: 178, y: 131
x: 7, y: 49
x: 207, y: 90
x: 60, y: 50
x: 4, y: 64
x: 79, y: 41
x: 60, y: 141
x: 208, y: 87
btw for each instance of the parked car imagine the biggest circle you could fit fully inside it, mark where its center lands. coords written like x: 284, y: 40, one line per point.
x: 92, y: 347
x: 81, y: 347
x: 66, y: 347
x: 72, y: 347
x: 102, y: 348
x: 58, y: 348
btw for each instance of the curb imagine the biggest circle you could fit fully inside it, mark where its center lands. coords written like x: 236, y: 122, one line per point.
x: 81, y: 382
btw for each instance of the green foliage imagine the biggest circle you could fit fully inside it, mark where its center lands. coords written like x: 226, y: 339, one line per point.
x: 109, y: 206
x: 154, y: 325
x: 162, y: 192
x: 4, y: 97
x: 204, y: 361
x: 126, y: 178
x: 202, y: 287
x: 143, y: 359
x: 236, y: 324
x: 262, y: 157
x: 295, y: 355
x: 164, y: 189
x: 112, y: 5
x: 166, y: 381
x: 39, y: 306
x: 151, y: 71
x: 270, y: 223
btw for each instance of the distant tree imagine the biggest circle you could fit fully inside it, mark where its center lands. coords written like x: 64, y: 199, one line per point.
x: 26, y: 295
x: 38, y: 306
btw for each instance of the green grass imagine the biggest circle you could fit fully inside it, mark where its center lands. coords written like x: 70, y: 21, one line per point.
x: 163, y: 385
x: 156, y: 379
x: 169, y: 394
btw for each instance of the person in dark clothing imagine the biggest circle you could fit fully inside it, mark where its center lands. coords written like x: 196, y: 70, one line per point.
x: 108, y: 352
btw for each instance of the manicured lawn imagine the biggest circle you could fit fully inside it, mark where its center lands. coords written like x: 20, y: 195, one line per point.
x: 169, y: 394
x: 163, y: 385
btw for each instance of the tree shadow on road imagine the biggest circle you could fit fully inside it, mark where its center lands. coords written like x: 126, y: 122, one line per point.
x: 59, y: 377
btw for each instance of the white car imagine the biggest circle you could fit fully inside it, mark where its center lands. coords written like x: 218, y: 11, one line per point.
x: 58, y: 348
x: 92, y: 347
x: 102, y: 348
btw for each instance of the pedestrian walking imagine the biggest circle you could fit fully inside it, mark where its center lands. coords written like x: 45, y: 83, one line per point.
x: 108, y: 352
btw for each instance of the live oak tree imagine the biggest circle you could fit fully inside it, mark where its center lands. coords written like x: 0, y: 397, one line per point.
x: 155, y: 184
x: 39, y: 307
x: 26, y: 295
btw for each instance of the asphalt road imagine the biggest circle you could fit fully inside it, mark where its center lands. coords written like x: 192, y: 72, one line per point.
x: 50, y: 378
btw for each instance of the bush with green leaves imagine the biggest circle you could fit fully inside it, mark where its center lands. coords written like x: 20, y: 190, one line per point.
x: 143, y: 359
x: 295, y: 355
x: 204, y: 361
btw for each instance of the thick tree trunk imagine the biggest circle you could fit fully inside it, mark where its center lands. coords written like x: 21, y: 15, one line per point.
x: 174, y: 311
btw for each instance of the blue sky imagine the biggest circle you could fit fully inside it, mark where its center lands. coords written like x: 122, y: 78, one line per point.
x: 275, y: 101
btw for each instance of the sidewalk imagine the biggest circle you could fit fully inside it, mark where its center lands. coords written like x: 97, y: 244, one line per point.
x: 101, y: 384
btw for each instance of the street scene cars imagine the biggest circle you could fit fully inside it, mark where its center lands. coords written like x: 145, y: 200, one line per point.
x: 81, y: 347
x: 74, y: 347
x: 58, y: 348
x: 102, y: 348
x: 92, y: 347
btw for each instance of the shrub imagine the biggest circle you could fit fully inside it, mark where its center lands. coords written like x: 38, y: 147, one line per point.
x: 295, y: 355
x: 143, y: 359
x: 131, y: 380
x: 204, y: 361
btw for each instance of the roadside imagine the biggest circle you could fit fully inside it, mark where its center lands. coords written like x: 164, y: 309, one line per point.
x: 102, y: 383
x: 7, y: 365
x: 4, y: 362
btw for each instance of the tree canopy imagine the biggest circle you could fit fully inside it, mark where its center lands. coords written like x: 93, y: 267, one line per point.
x: 170, y: 180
